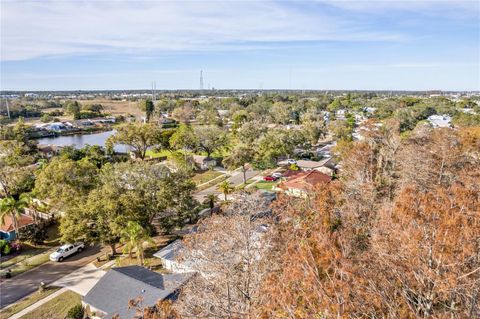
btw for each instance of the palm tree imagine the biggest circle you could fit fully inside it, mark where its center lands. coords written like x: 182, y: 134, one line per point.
x: 226, y: 188
x: 212, y: 199
x: 14, y: 207
x: 134, y: 236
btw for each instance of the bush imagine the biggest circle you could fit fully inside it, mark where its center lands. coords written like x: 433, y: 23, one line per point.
x: 6, y: 249
x: 76, y: 312
x: 35, y: 234
x: 16, y: 246
x: 3, y: 243
x: 46, y: 118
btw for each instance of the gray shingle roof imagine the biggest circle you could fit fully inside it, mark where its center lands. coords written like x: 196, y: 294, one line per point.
x: 171, y: 251
x: 119, y: 285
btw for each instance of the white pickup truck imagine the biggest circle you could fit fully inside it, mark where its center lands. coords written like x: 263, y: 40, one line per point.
x: 66, y: 250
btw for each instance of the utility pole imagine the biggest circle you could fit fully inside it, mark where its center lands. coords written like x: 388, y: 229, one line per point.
x: 8, y: 109
x: 154, y: 87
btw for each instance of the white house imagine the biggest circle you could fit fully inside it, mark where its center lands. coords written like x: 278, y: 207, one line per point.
x: 440, y: 120
x: 169, y: 257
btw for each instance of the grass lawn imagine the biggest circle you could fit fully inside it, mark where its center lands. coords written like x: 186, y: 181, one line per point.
x: 265, y: 185
x: 162, y: 153
x: 32, y: 256
x: 26, y: 302
x: 213, y: 183
x: 57, y: 308
x: 150, y: 261
x: 205, y: 176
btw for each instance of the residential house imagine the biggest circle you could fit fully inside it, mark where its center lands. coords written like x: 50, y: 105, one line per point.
x: 326, y: 166
x: 440, y: 120
x: 169, y: 255
x: 7, y: 229
x: 204, y: 162
x: 303, y: 183
x: 112, y: 293
x: 56, y: 127
x: 48, y: 150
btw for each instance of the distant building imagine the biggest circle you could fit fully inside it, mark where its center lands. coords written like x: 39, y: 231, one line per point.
x: 440, y: 120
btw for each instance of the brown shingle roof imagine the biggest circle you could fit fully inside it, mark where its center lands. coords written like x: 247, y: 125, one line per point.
x: 306, y: 181
x: 23, y: 220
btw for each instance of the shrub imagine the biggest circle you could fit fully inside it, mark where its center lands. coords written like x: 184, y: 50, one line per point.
x: 3, y: 243
x: 16, y: 246
x: 46, y: 118
x: 76, y: 312
x: 6, y: 249
x: 35, y: 234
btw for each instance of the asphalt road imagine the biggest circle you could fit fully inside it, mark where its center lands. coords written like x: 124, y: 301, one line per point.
x: 11, y: 290
x: 235, y: 180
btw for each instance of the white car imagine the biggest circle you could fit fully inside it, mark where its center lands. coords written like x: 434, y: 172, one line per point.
x: 66, y: 250
x: 291, y: 161
x: 277, y: 175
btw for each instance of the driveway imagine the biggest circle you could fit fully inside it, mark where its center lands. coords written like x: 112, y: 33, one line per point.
x: 81, y: 280
x: 236, y: 179
x: 11, y: 290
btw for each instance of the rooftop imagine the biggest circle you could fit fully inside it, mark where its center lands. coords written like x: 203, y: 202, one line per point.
x: 120, y: 285
x: 23, y: 220
x: 306, y: 181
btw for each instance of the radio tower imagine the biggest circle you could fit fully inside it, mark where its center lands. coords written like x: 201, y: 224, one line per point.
x: 201, y: 79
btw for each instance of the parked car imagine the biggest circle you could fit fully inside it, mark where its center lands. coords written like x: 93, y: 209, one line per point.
x: 277, y: 175
x: 291, y: 161
x: 269, y: 178
x: 66, y: 250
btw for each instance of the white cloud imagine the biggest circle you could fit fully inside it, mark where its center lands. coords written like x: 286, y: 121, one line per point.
x: 32, y: 29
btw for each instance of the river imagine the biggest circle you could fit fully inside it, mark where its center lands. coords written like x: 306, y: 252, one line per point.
x: 80, y: 140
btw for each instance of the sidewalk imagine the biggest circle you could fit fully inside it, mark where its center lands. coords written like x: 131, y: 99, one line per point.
x: 37, y: 304
x: 80, y: 282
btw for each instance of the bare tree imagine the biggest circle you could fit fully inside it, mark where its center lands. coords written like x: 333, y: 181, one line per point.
x: 228, y: 253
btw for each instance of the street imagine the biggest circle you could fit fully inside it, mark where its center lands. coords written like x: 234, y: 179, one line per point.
x: 236, y: 179
x: 11, y: 290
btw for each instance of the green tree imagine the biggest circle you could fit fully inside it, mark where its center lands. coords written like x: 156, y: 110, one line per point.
x: 276, y: 144
x: 226, y: 188
x: 313, y: 130
x: 251, y: 131
x: 149, y: 108
x: 211, y: 199
x: 72, y: 108
x: 140, y: 137
x: 184, y: 139
x: 209, y: 116
x: 63, y: 181
x: 134, y: 236
x: 239, y: 157
x: 210, y: 138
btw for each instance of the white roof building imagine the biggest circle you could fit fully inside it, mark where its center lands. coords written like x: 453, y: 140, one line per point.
x: 440, y: 120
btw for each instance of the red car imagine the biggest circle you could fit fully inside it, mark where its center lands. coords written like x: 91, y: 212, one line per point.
x: 269, y: 178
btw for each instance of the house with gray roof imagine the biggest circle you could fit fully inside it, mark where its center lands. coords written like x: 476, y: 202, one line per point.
x: 169, y: 255
x: 112, y: 293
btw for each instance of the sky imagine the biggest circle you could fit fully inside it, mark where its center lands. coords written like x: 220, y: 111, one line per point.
x: 324, y: 45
